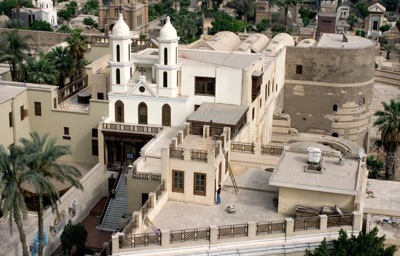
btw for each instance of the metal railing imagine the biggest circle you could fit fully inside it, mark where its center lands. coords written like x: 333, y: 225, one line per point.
x: 271, y: 150
x: 132, y: 128
x: 243, y: 147
x: 72, y: 88
x: 198, y: 155
x: 232, y: 231
x: 147, y: 176
x: 160, y: 189
x: 340, y: 220
x: 306, y: 223
x: 139, y: 240
x: 176, y: 153
x: 271, y: 227
x: 189, y: 235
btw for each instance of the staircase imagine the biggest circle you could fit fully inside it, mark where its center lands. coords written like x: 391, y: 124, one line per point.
x: 116, y: 208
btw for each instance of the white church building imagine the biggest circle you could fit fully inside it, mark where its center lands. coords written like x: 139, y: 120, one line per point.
x: 44, y: 10
x: 163, y: 87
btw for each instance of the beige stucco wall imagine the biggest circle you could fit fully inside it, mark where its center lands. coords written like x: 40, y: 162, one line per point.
x: 135, y: 189
x: 20, y: 128
x: 289, y: 197
x: 80, y: 124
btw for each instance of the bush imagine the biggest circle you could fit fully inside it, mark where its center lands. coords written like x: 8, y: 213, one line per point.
x: 40, y: 25
x: 360, y: 33
x: 89, y: 21
x: 263, y: 25
x: 384, y: 28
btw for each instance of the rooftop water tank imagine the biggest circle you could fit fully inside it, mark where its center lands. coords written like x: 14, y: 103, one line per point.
x: 314, y: 155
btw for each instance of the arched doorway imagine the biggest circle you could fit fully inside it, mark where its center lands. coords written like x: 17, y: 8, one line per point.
x: 335, y: 134
x: 166, y: 115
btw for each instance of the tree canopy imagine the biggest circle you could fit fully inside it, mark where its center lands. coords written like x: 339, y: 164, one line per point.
x: 362, y: 245
x: 225, y: 22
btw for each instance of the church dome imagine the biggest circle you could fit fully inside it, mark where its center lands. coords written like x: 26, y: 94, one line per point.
x: 121, y: 28
x: 3, y: 20
x: 168, y: 31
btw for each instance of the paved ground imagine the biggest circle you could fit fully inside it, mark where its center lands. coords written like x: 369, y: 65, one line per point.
x: 253, y: 203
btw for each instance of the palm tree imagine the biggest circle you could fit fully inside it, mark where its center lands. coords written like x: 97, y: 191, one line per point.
x: 78, y: 46
x: 285, y: 4
x: 388, y: 123
x: 13, y: 48
x: 63, y: 62
x: 42, y: 154
x: 41, y: 71
x: 12, y: 174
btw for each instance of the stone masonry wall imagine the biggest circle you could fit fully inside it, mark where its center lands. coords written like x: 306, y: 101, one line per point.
x: 333, y: 94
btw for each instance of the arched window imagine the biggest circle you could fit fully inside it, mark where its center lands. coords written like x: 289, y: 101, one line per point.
x: 129, y: 52
x: 118, y: 52
x: 361, y: 101
x: 176, y: 55
x: 166, y: 115
x: 273, y: 82
x: 119, y: 111
x: 142, y: 113
x: 117, y: 76
x: 335, y: 134
x: 165, y: 56
x: 165, y: 79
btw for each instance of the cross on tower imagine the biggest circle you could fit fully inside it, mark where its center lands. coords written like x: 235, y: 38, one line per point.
x: 142, y: 70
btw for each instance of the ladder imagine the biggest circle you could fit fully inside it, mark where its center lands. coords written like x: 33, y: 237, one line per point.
x: 235, y: 187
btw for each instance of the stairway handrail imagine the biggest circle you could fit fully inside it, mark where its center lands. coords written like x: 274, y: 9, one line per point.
x: 103, y: 214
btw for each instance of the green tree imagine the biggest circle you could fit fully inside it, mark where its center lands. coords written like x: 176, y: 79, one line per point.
x: 74, y: 235
x: 187, y: 26
x: 375, y: 167
x: 225, y: 22
x: 42, y: 154
x: 89, y: 22
x: 244, y: 8
x: 263, y: 25
x: 352, y: 19
x: 63, y: 61
x: 362, y: 9
x: 362, y: 245
x: 13, y: 49
x: 40, y: 25
x: 41, y: 71
x: 13, y: 174
x: 7, y: 5
x: 398, y: 24
x: 69, y: 11
x: 285, y: 4
x: 78, y: 46
x: 388, y: 123
x: 360, y: 33
x: 90, y: 7
x: 64, y: 29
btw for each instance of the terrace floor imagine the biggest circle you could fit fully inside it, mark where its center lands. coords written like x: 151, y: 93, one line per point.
x: 253, y: 203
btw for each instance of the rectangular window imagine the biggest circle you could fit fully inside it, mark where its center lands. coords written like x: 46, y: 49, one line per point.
x: 199, y: 184
x: 66, y: 131
x: 375, y: 25
x: 22, y: 112
x: 178, y: 181
x: 256, y: 82
x: 10, y: 119
x: 204, y: 86
x: 95, y: 133
x: 38, y: 108
x: 334, y: 107
x: 299, y: 69
x: 95, y: 147
x: 100, y: 96
x: 55, y: 103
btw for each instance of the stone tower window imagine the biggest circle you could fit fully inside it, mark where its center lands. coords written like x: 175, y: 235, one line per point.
x: 118, y: 53
x: 299, y: 69
x: 118, y: 76
x: 165, y: 79
x: 334, y: 108
x: 165, y: 56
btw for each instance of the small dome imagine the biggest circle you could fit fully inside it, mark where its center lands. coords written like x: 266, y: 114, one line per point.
x: 168, y: 31
x: 121, y: 28
x: 4, y: 18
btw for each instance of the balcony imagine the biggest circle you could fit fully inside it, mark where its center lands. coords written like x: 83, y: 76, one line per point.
x: 131, y: 128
